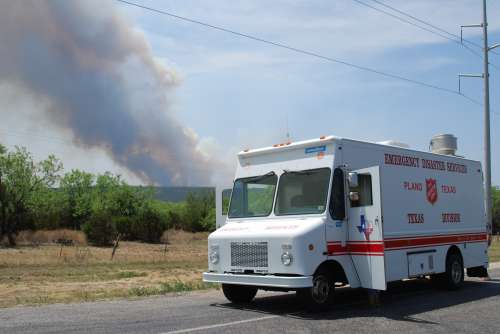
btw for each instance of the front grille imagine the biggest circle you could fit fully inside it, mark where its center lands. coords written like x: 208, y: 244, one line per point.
x: 249, y: 254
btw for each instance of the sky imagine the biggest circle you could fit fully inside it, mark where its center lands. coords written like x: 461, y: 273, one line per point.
x: 234, y: 93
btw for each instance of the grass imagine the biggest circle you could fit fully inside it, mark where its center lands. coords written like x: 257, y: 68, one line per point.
x: 45, y: 274
x: 494, y: 250
x: 48, y: 236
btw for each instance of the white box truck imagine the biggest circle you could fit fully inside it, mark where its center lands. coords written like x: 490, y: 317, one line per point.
x: 310, y: 215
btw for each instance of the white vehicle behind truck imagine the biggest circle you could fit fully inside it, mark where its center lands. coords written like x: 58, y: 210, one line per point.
x: 310, y: 215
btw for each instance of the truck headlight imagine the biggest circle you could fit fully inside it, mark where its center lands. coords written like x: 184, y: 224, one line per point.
x: 286, y: 258
x: 214, y: 255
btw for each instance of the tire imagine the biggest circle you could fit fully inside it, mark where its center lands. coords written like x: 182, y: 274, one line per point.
x: 239, y: 294
x: 319, y: 297
x: 453, y: 277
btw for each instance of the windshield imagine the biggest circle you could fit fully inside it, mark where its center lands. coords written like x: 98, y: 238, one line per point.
x: 302, y: 192
x: 253, y: 196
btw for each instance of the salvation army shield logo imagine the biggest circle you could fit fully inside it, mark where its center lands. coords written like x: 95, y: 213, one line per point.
x: 432, y: 193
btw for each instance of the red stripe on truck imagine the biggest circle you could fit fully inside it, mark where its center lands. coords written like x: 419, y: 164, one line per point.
x: 377, y: 248
x: 413, y: 242
x: 356, y: 248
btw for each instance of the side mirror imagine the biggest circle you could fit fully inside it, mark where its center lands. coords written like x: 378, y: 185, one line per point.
x: 353, y: 179
x: 354, y: 196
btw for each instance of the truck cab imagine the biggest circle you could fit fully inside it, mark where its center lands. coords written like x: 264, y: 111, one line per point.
x: 281, y: 217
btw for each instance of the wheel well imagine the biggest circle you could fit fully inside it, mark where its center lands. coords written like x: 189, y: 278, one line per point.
x: 335, y: 269
x: 454, y: 250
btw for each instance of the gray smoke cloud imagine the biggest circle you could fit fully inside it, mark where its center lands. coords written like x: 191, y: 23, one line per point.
x: 103, y: 83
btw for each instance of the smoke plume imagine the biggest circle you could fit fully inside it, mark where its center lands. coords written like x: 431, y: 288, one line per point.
x: 103, y: 83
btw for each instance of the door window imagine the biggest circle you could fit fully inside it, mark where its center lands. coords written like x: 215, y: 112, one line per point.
x: 364, y: 190
x: 226, y: 196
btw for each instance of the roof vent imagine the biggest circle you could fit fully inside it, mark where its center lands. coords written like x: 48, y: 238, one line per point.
x: 394, y: 143
x: 443, y: 144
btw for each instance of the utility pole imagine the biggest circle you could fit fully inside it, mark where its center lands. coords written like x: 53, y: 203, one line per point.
x: 487, y: 149
x: 487, y: 139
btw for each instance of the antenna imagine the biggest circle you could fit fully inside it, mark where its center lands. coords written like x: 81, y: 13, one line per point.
x: 287, y: 129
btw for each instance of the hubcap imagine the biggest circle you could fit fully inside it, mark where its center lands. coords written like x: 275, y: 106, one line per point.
x: 321, y: 289
x: 456, y: 272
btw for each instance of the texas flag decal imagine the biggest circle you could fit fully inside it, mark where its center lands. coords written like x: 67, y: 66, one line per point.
x: 365, y: 228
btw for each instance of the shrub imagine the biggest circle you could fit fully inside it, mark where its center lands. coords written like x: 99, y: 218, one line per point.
x: 175, y: 218
x: 126, y: 226
x: 149, y: 225
x: 208, y: 222
x: 100, y: 229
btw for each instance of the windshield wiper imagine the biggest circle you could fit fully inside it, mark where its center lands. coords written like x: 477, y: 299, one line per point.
x: 258, y: 178
x: 298, y: 172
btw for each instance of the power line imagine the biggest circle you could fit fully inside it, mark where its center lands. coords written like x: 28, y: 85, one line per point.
x: 429, y: 24
x: 477, y: 103
x: 294, y: 49
x: 399, y: 18
x: 444, y: 31
x: 455, y: 39
x: 301, y: 51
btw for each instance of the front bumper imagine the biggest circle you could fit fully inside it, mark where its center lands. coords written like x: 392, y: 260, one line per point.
x: 292, y: 282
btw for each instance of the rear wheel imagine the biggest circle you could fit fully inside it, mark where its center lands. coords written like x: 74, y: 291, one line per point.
x: 239, y: 293
x: 453, y: 277
x: 320, y: 295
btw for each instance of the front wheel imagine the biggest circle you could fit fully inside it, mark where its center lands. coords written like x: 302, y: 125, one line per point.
x: 320, y: 295
x: 239, y: 293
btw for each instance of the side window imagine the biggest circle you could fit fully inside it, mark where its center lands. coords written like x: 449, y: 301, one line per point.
x: 364, y: 190
x: 337, y: 200
x: 226, y: 195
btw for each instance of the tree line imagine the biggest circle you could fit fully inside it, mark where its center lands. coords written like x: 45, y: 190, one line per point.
x: 41, y: 195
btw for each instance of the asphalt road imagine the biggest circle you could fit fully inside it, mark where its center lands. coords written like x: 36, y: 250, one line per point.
x: 407, y: 307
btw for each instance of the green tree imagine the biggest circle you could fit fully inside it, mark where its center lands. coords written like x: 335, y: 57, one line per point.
x: 76, y: 190
x: 197, y: 207
x: 116, y: 197
x: 208, y: 222
x: 47, y: 209
x: 105, y: 186
x: 20, y: 178
x: 495, y: 194
x: 173, y: 214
